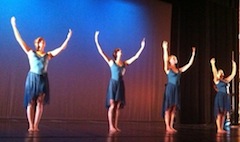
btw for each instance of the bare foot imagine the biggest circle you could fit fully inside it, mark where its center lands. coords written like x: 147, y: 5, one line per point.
x: 169, y: 130
x: 118, y: 129
x: 174, y: 130
x: 30, y: 130
x: 221, y: 131
x: 36, y: 130
x: 112, y: 130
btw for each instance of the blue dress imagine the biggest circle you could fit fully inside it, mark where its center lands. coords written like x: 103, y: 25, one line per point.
x: 222, y: 102
x: 37, y: 79
x: 171, y: 93
x: 116, y: 88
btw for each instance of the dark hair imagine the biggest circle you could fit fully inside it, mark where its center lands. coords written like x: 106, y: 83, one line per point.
x: 36, y: 42
x: 115, y: 53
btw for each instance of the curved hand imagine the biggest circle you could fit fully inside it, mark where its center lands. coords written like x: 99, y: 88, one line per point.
x: 69, y: 33
x: 193, y: 50
x: 212, y: 61
x: 13, y: 21
x: 214, y: 70
x: 165, y: 44
x: 143, y: 42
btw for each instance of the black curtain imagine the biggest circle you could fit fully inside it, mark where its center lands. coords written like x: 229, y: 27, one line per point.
x: 212, y: 27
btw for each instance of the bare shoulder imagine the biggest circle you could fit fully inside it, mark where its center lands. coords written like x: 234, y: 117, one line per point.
x: 110, y: 63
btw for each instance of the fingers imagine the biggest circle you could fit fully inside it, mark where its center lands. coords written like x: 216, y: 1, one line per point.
x: 193, y: 49
x: 13, y: 20
x: 164, y: 44
x: 212, y: 60
x: 143, y: 42
x: 69, y: 33
x: 97, y: 33
x: 233, y: 62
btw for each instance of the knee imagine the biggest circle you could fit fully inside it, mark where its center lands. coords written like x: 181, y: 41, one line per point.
x: 118, y: 105
x: 32, y: 103
x: 111, y: 107
x: 40, y: 99
x: 167, y: 112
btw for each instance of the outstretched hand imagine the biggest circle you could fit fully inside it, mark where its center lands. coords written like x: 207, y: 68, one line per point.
x: 13, y: 21
x: 143, y: 42
x: 69, y: 33
x: 212, y: 61
x: 233, y: 63
x: 96, y: 33
x: 194, y: 49
x: 165, y: 44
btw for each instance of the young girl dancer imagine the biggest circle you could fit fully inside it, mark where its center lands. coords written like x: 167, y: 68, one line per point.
x: 37, y: 85
x: 222, y: 100
x: 115, y: 98
x: 171, y: 94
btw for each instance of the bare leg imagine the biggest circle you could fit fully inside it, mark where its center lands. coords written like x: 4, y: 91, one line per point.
x: 117, y: 112
x: 167, y: 120
x: 39, y: 111
x: 219, y: 124
x: 30, y: 115
x: 222, y: 122
x: 218, y: 121
x: 110, y: 116
x: 172, y: 115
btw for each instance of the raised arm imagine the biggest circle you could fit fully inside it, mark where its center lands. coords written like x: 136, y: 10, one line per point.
x: 214, y: 70
x: 234, y: 70
x: 165, y: 56
x: 18, y: 36
x: 185, y: 67
x: 56, y: 51
x: 135, y: 57
x: 105, y: 57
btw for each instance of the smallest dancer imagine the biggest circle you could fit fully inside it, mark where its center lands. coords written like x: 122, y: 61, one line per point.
x: 222, y: 100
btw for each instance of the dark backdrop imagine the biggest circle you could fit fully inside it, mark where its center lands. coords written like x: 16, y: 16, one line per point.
x: 211, y: 26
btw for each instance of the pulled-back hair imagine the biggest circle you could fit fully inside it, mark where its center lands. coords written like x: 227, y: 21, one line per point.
x: 115, y: 53
x: 36, y: 42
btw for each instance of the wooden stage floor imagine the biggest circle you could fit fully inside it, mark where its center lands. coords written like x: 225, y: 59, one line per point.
x: 96, y: 131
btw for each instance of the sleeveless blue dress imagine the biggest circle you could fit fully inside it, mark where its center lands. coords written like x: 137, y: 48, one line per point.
x: 37, y: 79
x: 116, y: 88
x: 222, y: 100
x: 171, y: 93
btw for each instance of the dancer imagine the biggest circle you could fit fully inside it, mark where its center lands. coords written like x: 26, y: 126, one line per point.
x: 171, y: 94
x: 115, y: 98
x: 37, y: 85
x: 222, y: 100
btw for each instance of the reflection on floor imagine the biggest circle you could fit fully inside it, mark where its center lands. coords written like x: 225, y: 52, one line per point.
x: 96, y: 131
